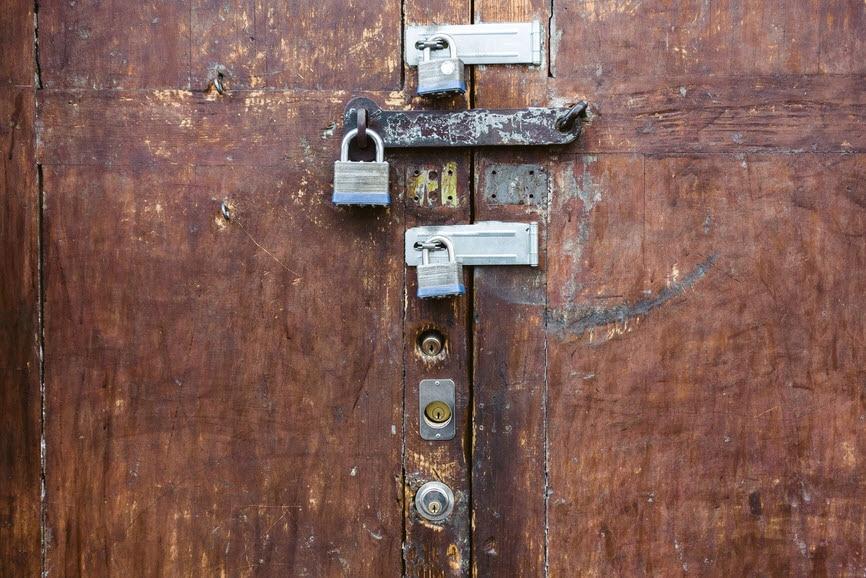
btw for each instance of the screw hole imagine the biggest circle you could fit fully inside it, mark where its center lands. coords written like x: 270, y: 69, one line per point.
x: 450, y: 197
x: 450, y: 172
x: 417, y: 172
x: 492, y: 172
x: 531, y: 172
x: 493, y: 196
x: 434, y: 175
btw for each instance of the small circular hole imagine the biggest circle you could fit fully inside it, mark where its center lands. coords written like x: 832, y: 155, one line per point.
x: 417, y: 172
x: 450, y: 172
x: 493, y: 196
x: 492, y: 172
x: 531, y: 172
x: 531, y: 196
x: 434, y: 175
x: 450, y: 197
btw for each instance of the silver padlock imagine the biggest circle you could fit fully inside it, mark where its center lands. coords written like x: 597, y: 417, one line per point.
x: 443, y: 76
x: 359, y: 182
x: 439, y: 279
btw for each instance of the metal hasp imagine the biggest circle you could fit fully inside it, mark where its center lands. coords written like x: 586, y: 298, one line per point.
x: 484, y: 243
x: 492, y: 43
x: 436, y: 400
x: 467, y: 128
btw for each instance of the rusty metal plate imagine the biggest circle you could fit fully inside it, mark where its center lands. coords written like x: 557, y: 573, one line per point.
x: 465, y: 128
x: 521, y: 184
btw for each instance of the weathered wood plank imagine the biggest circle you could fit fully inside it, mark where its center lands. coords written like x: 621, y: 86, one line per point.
x: 20, y: 395
x: 137, y: 128
x: 437, y: 549
x: 509, y: 466
x: 785, y: 114
x: 706, y: 338
x: 444, y: 198
x: 115, y: 45
x: 284, y: 44
x: 607, y: 43
x: 212, y: 407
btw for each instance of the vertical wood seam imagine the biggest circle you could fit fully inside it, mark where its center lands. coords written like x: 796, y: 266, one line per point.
x: 40, y: 302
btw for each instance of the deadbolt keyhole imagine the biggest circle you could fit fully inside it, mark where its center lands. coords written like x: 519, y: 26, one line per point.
x: 431, y: 343
x: 437, y: 412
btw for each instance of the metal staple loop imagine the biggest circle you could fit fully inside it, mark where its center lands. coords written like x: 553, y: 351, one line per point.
x: 434, y: 246
x: 218, y: 83
x: 566, y: 121
x: 435, y: 45
x: 361, y: 139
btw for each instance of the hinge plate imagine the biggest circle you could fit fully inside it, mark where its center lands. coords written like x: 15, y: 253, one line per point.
x: 484, y: 243
x: 491, y: 43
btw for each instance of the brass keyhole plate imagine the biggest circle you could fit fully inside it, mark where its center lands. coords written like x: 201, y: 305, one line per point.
x: 436, y: 415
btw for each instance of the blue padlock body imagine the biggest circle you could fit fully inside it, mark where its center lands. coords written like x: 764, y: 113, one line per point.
x: 363, y: 199
x: 456, y: 86
x: 441, y: 291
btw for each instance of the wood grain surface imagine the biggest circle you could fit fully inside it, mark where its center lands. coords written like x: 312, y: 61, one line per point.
x: 20, y: 368
x: 229, y: 369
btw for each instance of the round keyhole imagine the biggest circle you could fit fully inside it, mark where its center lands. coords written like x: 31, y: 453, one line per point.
x: 431, y: 343
x: 437, y: 414
x: 434, y: 501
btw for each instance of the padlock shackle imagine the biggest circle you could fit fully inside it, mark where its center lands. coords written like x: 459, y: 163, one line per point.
x: 380, y: 145
x: 446, y: 242
x: 452, y: 46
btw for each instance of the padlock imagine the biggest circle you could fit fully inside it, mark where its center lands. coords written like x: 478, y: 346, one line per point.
x: 440, y: 77
x: 439, y: 279
x: 359, y: 182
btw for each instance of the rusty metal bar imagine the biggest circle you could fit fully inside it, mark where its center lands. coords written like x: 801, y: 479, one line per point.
x: 467, y: 128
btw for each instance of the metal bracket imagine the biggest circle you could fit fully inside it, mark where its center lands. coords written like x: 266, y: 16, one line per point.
x: 484, y: 243
x: 466, y: 128
x: 437, y: 392
x: 492, y: 43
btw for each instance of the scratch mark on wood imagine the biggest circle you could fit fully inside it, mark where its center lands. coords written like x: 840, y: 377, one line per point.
x: 581, y: 319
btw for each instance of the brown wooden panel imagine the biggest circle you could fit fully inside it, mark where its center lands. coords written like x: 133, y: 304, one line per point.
x: 611, y: 43
x: 19, y: 338
x: 787, y: 114
x: 509, y: 467
x: 224, y: 395
x: 20, y: 396
x: 330, y: 44
x: 509, y: 400
x: 255, y: 128
x: 93, y: 45
x: 445, y: 198
x: 706, y: 360
x: 437, y: 549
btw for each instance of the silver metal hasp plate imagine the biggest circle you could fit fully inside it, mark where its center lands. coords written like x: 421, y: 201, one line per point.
x: 494, y: 43
x: 484, y: 243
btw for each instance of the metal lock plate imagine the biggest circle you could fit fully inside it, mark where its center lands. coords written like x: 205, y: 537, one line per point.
x: 507, y: 184
x: 436, y: 409
x: 484, y: 243
x: 489, y: 43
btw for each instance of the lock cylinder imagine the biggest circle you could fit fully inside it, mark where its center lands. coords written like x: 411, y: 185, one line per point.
x: 437, y: 414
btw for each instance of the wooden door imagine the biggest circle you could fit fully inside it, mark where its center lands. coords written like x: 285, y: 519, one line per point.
x: 210, y: 370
